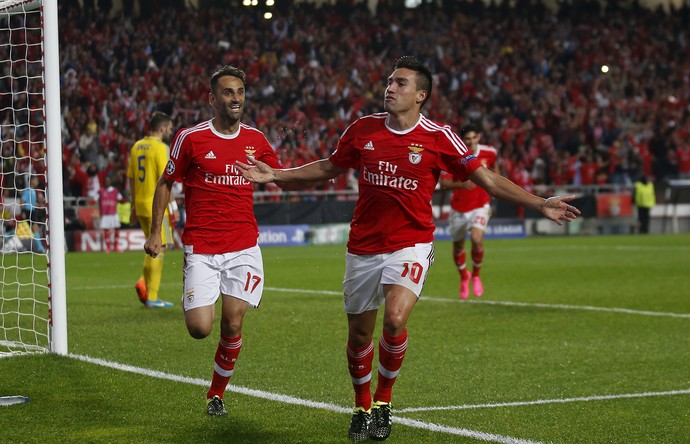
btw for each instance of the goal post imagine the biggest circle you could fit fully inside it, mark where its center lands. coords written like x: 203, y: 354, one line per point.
x: 33, y: 308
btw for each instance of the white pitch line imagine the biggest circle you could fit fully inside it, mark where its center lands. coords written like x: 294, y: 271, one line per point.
x: 594, y: 247
x: 204, y: 383
x: 490, y: 437
x: 567, y: 307
x: 517, y: 304
x: 447, y: 300
x: 544, y: 401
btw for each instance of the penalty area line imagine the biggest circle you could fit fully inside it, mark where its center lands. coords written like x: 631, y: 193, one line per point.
x: 490, y: 437
x: 507, y: 303
x: 447, y: 300
x: 579, y: 307
x: 546, y: 401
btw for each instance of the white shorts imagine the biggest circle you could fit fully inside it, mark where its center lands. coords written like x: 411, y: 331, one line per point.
x: 110, y: 221
x: 239, y: 274
x: 365, y: 275
x: 460, y: 223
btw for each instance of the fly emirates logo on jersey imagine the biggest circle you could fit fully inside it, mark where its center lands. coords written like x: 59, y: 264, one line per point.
x: 386, y: 176
x: 231, y: 177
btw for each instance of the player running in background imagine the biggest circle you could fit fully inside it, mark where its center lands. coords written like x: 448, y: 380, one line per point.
x: 108, y: 197
x: 222, y: 256
x: 147, y: 161
x: 470, y: 211
x: 400, y: 155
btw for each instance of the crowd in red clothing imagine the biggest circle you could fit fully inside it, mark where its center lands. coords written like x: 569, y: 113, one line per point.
x: 532, y: 79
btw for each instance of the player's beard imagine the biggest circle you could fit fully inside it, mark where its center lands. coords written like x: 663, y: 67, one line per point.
x: 233, y: 115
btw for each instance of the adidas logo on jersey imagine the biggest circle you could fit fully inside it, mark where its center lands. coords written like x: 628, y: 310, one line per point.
x: 210, y: 155
x: 369, y: 146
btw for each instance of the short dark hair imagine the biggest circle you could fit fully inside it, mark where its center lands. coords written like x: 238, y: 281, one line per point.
x: 423, y: 77
x: 469, y: 128
x: 158, y: 119
x: 227, y: 70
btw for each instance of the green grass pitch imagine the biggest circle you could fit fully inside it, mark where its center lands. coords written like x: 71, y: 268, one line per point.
x: 577, y: 340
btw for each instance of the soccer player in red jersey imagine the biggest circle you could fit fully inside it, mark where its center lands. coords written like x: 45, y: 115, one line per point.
x: 470, y: 212
x: 222, y: 256
x: 108, y: 197
x: 400, y: 155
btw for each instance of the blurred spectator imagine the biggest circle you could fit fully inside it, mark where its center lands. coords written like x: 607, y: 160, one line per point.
x: 93, y: 184
x: 645, y: 199
x: 29, y: 195
x: 536, y: 86
x: 109, y: 221
x: 124, y: 210
x: 683, y: 156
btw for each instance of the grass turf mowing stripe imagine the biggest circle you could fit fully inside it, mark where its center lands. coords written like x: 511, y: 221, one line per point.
x: 517, y: 304
x: 490, y: 437
x: 546, y: 401
x: 441, y: 299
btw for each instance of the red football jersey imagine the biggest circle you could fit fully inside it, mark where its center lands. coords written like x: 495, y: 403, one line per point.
x: 466, y: 200
x: 108, y: 199
x: 398, y: 172
x: 218, y: 200
x: 683, y: 153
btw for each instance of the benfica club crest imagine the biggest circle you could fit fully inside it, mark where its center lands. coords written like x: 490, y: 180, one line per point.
x: 415, y: 155
x: 250, y: 150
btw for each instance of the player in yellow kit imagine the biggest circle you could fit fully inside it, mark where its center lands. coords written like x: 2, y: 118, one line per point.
x: 147, y: 161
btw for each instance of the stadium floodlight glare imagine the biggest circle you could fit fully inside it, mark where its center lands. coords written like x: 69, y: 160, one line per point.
x: 255, y: 2
x: 33, y: 303
x: 247, y: 2
x: 270, y: 3
x: 604, y: 68
x: 412, y: 3
x: 268, y: 15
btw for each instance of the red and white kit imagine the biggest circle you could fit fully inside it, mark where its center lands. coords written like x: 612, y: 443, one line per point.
x: 471, y: 207
x: 107, y: 202
x: 398, y: 172
x: 465, y: 200
x: 221, y: 219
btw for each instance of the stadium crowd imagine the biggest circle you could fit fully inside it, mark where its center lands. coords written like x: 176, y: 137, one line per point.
x: 532, y: 79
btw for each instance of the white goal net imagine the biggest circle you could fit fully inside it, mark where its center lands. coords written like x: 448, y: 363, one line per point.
x: 27, y: 300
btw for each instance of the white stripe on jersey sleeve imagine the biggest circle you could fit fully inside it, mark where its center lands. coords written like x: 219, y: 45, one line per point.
x: 377, y: 116
x: 251, y: 128
x: 487, y: 148
x: 175, y: 151
x: 453, y: 138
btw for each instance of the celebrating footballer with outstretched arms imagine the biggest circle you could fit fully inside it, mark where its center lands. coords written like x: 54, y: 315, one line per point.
x: 400, y: 154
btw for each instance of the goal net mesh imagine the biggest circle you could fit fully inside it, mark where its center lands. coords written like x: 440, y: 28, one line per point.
x: 24, y: 279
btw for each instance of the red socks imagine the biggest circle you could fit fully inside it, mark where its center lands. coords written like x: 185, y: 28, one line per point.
x: 391, y: 354
x: 477, y: 259
x: 359, y: 361
x: 460, y: 259
x: 226, y: 354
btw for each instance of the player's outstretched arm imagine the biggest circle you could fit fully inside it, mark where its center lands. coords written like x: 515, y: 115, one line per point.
x: 555, y: 208
x: 154, y: 243
x: 450, y: 184
x: 317, y: 171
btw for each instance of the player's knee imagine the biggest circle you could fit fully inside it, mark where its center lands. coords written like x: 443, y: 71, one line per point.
x: 231, y: 327
x: 394, y: 323
x: 199, y: 331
